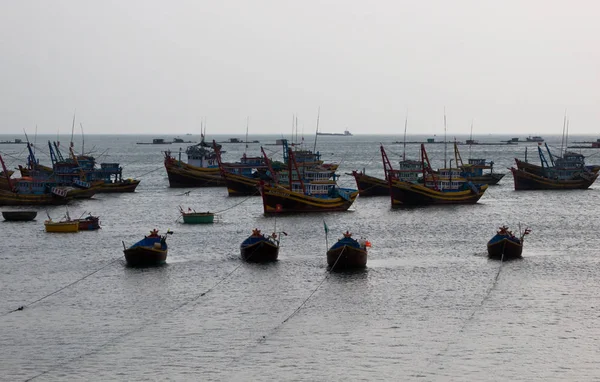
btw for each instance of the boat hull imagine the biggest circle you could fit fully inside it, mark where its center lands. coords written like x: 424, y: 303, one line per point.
x: 346, y: 257
x: 118, y: 187
x: 525, y: 180
x: 370, y: 186
x: 539, y: 170
x: 277, y: 200
x: 260, y: 252
x: 504, y: 249
x: 489, y: 179
x: 238, y: 185
x: 145, y: 256
x: 409, y: 194
x: 62, y: 227
x: 89, y: 224
x: 19, y: 216
x: 8, y: 198
x: 183, y: 175
x: 198, y: 218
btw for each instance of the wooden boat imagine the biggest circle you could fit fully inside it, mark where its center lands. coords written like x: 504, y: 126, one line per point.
x: 505, y: 246
x: 258, y: 248
x: 151, y: 250
x: 527, y: 181
x: 554, y: 161
x: 443, y: 187
x: 568, y: 172
x: 348, y: 253
x: 118, y: 186
x: 192, y: 217
x: 473, y: 171
x: 369, y: 185
x: 19, y: 216
x: 316, y: 196
x: 62, y: 226
x: 89, y: 223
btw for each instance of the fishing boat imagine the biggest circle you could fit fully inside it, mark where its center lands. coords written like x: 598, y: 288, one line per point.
x: 258, y: 248
x: 89, y: 223
x: 567, y: 172
x: 37, y: 193
x: 19, y: 216
x: 506, y: 246
x: 473, y: 171
x: 534, y: 138
x: 300, y: 197
x: 369, y: 185
x: 192, y: 217
x: 348, y: 253
x: 151, y: 250
x: 446, y: 186
x: 61, y: 226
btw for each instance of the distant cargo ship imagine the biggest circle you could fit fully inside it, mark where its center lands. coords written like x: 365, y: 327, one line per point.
x: 346, y: 133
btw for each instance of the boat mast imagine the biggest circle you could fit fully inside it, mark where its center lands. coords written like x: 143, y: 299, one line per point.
x: 317, y: 132
x: 82, y: 140
x: 445, y: 141
x: 471, y: 139
x: 72, y: 129
x: 404, y: 147
x: 562, y: 140
x: 6, y: 173
x: 567, y: 137
x: 247, y: 123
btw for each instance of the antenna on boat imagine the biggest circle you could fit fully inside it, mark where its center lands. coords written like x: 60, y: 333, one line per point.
x: 562, y: 140
x: 567, y: 137
x: 404, y: 148
x: 72, y: 129
x: 296, y: 129
x: 317, y: 132
x: 34, y: 139
x: 247, y: 123
x: 471, y: 139
x: 82, y: 140
x: 445, y: 141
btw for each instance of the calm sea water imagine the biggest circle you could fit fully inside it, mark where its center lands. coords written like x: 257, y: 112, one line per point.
x: 430, y: 306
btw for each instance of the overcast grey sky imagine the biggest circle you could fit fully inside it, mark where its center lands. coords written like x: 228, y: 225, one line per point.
x: 159, y: 67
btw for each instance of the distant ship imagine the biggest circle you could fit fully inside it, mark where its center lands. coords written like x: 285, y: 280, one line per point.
x: 534, y: 139
x: 346, y: 133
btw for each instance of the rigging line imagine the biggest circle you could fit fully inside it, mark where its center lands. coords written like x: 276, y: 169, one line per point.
x: 63, y: 288
x: 235, y: 205
x: 475, y: 310
x: 134, y: 330
x: 149, y: 172
x: 262, y: 339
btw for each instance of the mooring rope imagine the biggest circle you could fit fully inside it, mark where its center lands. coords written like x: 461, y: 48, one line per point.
x: 61, y: 289
x: 139, y: 327
x: 475, y: 310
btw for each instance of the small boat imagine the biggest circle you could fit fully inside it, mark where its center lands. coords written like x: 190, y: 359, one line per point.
x: 19, y: 216
x: 61, y: 226
x: 151, y: 250
x: 506, y: 246
x: 89, y: 223
x: 258, y: 248
x: 534, y: 139
x: 348, y: 253
x: 193, y: 217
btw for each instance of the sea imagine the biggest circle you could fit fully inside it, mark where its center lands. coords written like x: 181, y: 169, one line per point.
x: 430, y: 306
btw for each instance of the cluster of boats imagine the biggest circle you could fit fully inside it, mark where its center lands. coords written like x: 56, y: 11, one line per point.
x: 68, y: 178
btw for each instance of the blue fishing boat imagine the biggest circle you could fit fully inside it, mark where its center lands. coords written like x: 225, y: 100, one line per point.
x: 505, y: 245
x: 258, y: 248
x: 151, y: 250
x: 348, y: 253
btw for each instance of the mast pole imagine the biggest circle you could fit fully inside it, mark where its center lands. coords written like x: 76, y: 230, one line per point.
x: 317, y: 132
x: 247, y: 124
x: 445, y: 141
x: 404, y: 147
x: 471, y: 139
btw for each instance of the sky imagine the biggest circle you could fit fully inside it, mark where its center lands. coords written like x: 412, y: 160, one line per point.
x: 161, y: 67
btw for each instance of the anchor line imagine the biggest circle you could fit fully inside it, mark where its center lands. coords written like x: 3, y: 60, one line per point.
x: 61, y: 289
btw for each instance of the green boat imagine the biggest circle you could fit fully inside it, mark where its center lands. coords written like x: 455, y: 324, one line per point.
x: 193, y: 217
